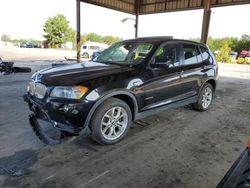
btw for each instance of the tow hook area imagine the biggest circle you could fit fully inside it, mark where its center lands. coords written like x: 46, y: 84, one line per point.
x: 48, y: 134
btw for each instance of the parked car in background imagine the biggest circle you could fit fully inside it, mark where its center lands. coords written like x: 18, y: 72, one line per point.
x: 130, y: 80
x: 28, y: 45
x: 96, y: 54
x: 233, y: 56
x: 244, y: 57
x: 90, y: 47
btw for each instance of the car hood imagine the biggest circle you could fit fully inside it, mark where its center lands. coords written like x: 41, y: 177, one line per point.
x: 68, y: 75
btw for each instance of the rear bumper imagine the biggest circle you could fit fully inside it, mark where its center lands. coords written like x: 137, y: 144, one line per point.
x: 65, y: 115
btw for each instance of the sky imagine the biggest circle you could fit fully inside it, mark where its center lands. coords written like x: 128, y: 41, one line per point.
x: 25, y: 19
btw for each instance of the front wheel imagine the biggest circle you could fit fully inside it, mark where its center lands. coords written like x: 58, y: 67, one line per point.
x: 111, y: 121
x: 205, y: 98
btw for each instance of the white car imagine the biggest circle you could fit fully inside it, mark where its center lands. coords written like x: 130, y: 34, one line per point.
x: 90, y: 47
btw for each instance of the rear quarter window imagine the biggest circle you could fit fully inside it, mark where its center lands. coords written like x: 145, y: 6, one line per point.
x: 205, y: 54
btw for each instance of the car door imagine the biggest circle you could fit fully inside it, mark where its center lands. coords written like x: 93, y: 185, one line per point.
x: 191, y: 69
x: 163, y: 85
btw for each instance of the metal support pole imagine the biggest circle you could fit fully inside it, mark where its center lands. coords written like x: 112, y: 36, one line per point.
x: 136, y: 26
x: 206, y: 21
x: 78, y: 30
x: 137, y: 7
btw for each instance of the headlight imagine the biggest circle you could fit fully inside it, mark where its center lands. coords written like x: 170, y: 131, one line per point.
x: 69, y: 92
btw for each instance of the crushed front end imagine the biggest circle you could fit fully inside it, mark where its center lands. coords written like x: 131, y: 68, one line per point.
x: 67, y: 116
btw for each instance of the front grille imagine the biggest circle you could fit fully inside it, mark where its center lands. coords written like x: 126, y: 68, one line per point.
x: 37, y: 89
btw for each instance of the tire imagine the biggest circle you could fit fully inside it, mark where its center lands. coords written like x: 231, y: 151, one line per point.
x: 111, y: 121
x: 205, y: 98
x: 22, y: 69
x: 85, y: 55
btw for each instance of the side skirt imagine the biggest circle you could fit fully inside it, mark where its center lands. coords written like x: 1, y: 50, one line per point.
x: 157, y: 110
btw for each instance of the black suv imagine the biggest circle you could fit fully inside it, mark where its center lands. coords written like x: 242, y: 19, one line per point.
x: 129, y: 80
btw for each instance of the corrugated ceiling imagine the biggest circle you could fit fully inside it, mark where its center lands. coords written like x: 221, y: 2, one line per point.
x: 127, y: 6
x: 160, y: 6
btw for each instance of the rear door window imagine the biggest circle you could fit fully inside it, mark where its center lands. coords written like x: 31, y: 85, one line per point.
x: 191, y: 54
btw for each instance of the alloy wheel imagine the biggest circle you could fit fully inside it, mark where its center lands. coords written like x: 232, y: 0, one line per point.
x: 207, y: 97
x: 114, y: 123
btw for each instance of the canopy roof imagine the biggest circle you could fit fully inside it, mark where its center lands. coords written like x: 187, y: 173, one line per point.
x: 160, y: 6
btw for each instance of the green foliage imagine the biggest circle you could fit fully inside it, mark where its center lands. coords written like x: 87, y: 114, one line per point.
x: 91, y: 37
x: 195, y: 39
x: 72, y: 35
x: 223, y: 56
x: 98, y: 38
x: 58, y: 31
x: 214, y: 44
x: 5, y: 38
x: 110, y: 39
x: 243, y: 43
x: 227, y: 45
x: 235, y: 44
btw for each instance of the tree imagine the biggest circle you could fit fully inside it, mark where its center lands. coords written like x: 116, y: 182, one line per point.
x: 72, y: 35
x: 243, y: 43
x: 235, y: 44
x: 223, y: 56
x: 110, y: 39
x: 58, y: 31
x: 5, y: 38
x: 98, y: 38
x: 214, y: 44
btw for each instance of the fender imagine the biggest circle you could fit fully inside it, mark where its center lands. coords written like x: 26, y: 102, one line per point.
x: 106, y: 96
x: 207, y: 80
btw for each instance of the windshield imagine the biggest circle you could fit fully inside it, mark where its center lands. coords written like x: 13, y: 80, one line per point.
x: 125, y: 53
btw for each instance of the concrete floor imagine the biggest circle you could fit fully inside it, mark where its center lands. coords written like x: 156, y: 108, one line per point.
x: 176, y: 148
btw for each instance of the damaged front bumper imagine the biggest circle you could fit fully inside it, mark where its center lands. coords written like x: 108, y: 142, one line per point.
x: 66, y: 117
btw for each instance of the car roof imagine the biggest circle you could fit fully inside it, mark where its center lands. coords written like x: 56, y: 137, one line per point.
x: 150, y: 39
x: 161, y: 39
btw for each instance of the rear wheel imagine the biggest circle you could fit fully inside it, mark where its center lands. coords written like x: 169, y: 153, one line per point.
x: 111, y: 121
x: 205, y: 98
x: 85, y: 55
